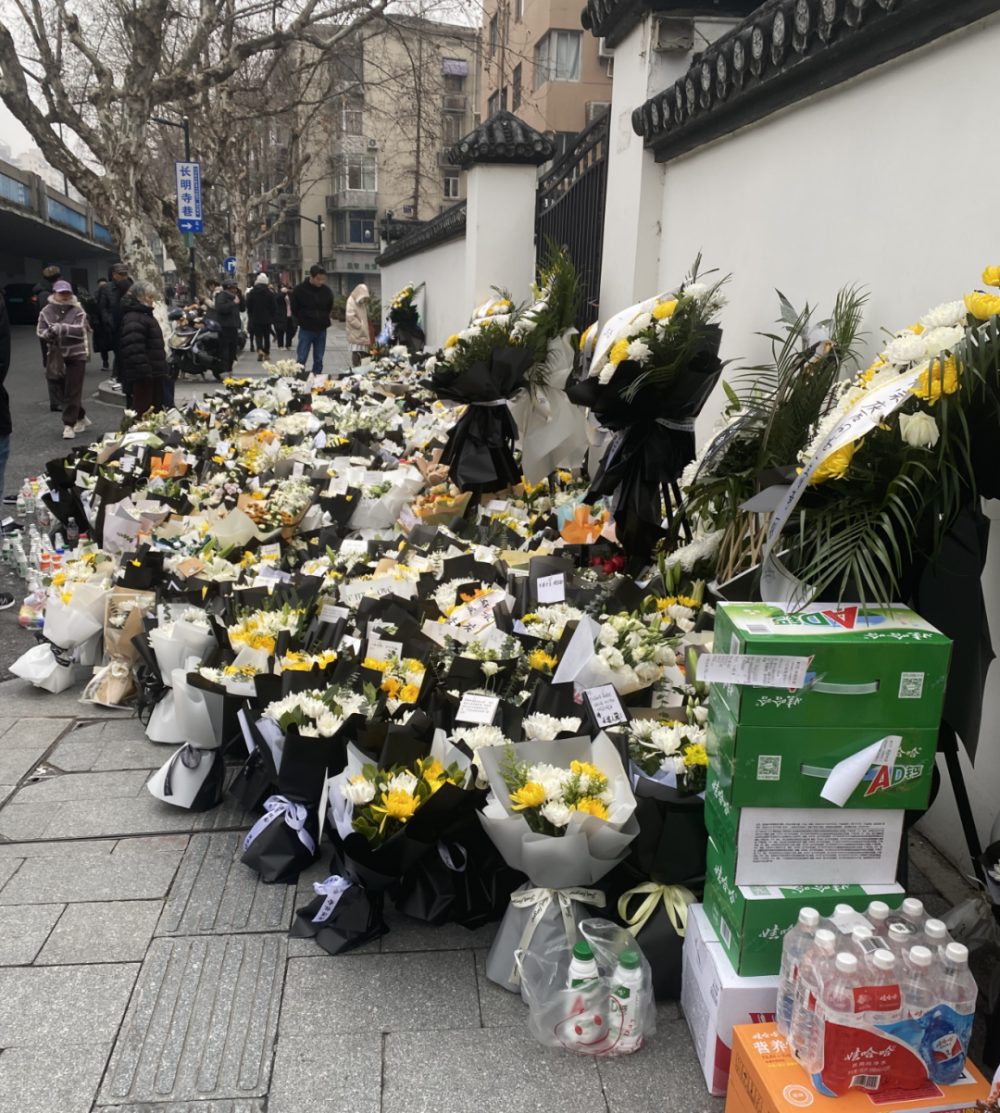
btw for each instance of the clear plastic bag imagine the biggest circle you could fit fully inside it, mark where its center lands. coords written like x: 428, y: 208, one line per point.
x: 604, y: 1018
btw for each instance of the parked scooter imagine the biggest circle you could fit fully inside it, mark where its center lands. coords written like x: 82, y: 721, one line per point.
x: 194, y: 343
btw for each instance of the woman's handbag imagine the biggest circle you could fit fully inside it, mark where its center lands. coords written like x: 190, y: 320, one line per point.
x: 55, y: 365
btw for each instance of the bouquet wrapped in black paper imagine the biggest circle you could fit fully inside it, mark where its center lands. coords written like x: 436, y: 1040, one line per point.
x: 405, y: 318
x: 653, y: 367
x: 483, y: 366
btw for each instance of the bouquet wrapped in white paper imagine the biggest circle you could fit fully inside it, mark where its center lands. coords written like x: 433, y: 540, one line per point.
x: 69, y: 624
x: 382, y: 512
x: 175, y: 643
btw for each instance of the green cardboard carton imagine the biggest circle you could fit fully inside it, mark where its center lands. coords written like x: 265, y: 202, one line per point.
x: 751, y: 920
x: 789, y: 767
x: 874, y: 667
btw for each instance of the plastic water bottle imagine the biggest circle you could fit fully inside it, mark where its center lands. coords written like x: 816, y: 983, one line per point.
x: 883, y: 1002
x: 72, y: 533
x: 836, y: 1005
x: 5, y: 550
x: 29, y: 501
x: 816, y: 967
x: 912, y: 912
x: 628, y: 989
x: 878, y: 917
x: 798, y: 939
x: 920, y: 991
x: 585, y: 978
x: 901, y: 939
x: 863, y: 945
x: 20, y: 507
x: 948, y: 1027
x: 936, y: 934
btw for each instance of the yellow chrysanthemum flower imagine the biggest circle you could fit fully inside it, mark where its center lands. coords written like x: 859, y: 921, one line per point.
x: 991, y: 276
x: 982, y: 306
x: 931, y: 384
x: 392, y: 686
x: 664, y: 310
x: 398, y: 804
x: 432, y: 771
x: 836, y: 464
x: 531, y: 796
x: 696, y: 755
x: 451, y: 341
x: 59, y: 579
x: 618, y: 352
x: 586, y: 335
x: 409, y: 693
x: 591, y: 806
x: 540, y: 660
x: 586, y: 769
x: 867, y: 376
x: 371, y: 663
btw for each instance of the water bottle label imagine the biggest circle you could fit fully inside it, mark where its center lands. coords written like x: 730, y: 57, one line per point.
x: 877, y: 999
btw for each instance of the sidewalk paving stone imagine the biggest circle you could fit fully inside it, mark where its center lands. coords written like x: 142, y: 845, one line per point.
x: 49, y: 1006
x: 495, y: 1070
x: 665, y: 1076
x: 215, y: 893
x: 327, y: 1072
x: 114, y: 931
x: 23, y: 931
x: 92, y: 878
x: 239, y: 1105
x: 201, y: 1022
x: 407, y: 934
x: 35, y: 1080
x: 84, y: 786
x: 21, y: 699
x: 422, y: 991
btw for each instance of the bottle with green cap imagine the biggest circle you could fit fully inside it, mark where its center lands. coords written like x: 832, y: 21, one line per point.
x: 585, y: 979
x: 627, y: 983
x: 583, y: 966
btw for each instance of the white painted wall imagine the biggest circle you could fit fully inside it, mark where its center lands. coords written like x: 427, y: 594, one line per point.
x: 500, y: 234
x: 443, y: 302
x: 885, y: 181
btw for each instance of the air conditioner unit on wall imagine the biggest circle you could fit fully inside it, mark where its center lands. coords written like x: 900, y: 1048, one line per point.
x: 603, y: 50
x: 672, y: 34
x: 372, y: 144
x: 597, y: 108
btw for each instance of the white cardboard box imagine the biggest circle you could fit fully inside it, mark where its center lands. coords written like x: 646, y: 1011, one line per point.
x: 715, y: 998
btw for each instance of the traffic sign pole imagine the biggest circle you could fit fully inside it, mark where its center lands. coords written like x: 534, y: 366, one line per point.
x: 187, y: 158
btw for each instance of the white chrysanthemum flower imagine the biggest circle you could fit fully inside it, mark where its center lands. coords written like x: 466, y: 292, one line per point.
x: 696, y: 290
x: 551, y: 778
x: 607, y: 373
x: 404, y: 780
x: 328, y: 724
x: 945, y: 315
x: 430, y: 365
x: 642, y: 322
x: 938, y: 340
x: 544, y: 728
x: 477, y: 737
x: 907, y: 348
x: 358, y: 790
x: 639, y: 351
x: 557, y: 813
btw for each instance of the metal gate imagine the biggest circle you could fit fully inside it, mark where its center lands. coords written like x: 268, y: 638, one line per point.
x: 570, y: 209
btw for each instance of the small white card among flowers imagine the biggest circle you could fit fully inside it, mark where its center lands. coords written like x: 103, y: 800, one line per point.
x: 477, y: 708
x: 605, y: 706
x: 552, y: 589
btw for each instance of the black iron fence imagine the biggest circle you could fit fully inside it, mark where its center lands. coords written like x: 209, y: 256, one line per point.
x: 570, y: 209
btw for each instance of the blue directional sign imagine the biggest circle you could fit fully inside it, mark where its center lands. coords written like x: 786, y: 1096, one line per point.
x: 229, y: 264
x: 189, y: 218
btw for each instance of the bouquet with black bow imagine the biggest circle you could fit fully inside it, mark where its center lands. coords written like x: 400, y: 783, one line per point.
x: 405, y: 318
x: 484, y: 366
x: 653, y: 367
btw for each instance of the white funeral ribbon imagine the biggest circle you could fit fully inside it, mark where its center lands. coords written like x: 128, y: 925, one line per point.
x: 333, y: 889
x: 190, y: 758
x: 858, y: 421
x: 448, y: 859
x: 607, y: 335
x: 538, y: 900
x: 295, y: 817
x: 497, y: 402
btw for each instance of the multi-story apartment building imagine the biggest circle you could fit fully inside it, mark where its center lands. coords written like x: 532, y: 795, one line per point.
x: 405, y: 91
x: 539, y: 64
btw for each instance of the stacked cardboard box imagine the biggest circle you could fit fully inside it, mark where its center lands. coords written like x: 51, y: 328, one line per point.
x: 862, y: 731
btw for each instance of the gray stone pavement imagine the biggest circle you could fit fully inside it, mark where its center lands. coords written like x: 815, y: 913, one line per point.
x: 144, y: 969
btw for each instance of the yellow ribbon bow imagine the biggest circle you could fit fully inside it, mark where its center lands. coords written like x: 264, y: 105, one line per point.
x: 675, y: 899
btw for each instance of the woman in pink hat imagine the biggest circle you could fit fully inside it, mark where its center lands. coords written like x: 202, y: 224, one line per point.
x: 63, y: 321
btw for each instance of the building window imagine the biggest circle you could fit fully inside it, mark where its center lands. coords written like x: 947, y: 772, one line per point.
x: 452, y: 128
x: 451, y: 185
x: 557, y: 57
x: 494, y: 35
x: 352, y: 117
x: 515, y: 102
x: 357, y: 172
x: 361, y: 226
x: 347, y: 66
x: 493, y: 105
x: 453, y: 83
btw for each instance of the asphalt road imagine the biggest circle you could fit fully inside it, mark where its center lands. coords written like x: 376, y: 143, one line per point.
x: 36, y: 439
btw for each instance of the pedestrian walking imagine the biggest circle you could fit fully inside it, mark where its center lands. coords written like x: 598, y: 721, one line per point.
x: 284, y: 322
x: 260, y: 313
x: 228, y: 307
x: 41, y: 292
x: 358, y: 332
x: 63, y: 323
x: 143, y: 351
x: 109, y: 300
x: 102, y: 341
x: 312, y: 304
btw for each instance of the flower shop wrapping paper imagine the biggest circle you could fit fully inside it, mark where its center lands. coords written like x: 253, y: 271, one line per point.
x: 591, y: 846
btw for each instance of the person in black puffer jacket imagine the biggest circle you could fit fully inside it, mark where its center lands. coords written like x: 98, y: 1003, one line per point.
x: 143, y: 352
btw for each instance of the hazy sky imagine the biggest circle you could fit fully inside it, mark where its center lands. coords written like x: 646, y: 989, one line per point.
x: 12, y: 133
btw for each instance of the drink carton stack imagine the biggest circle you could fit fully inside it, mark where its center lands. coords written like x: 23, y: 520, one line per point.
x: 807, y: 790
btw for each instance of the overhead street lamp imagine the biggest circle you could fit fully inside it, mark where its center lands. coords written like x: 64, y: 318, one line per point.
x: 320, y: 229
